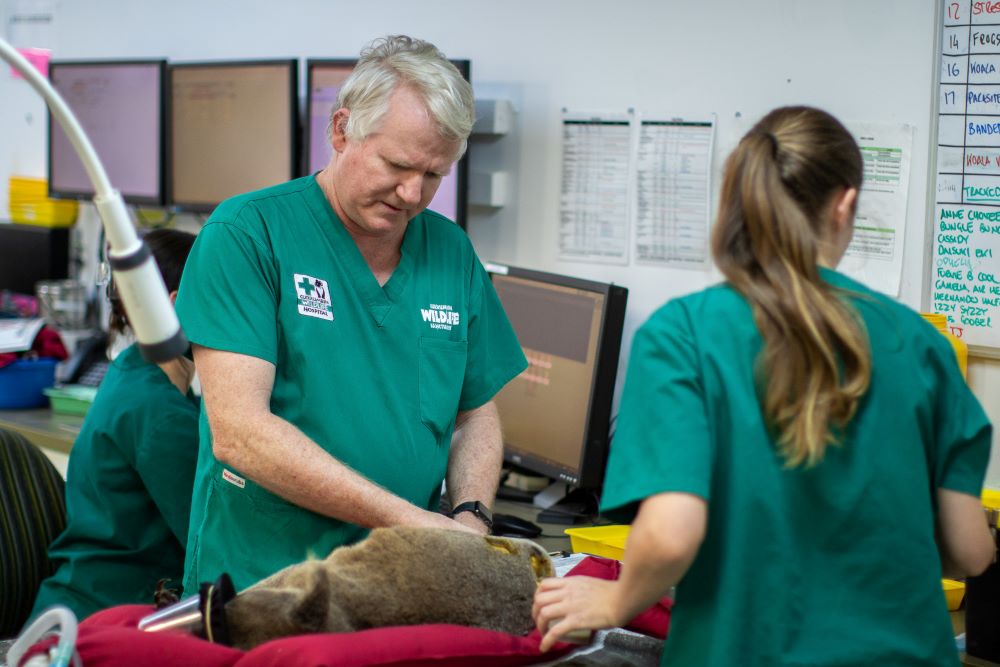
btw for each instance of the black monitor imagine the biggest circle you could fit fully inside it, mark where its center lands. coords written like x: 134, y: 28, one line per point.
x: 120, y: 106
x: 232, y: 128
x: 29, y: 253
x: 556, y: 415
x: 324, y: 79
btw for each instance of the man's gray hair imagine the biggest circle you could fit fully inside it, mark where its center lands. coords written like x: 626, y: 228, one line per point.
x: 400, y: 60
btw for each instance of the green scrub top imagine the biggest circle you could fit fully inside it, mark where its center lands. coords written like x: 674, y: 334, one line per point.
x: 833, y: 565
x: 375, y: 375
x: 128, y: 492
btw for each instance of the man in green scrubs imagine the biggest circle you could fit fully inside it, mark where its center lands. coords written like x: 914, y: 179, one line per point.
x: 348, y: 341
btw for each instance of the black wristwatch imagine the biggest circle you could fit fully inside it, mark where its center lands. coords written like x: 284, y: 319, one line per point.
x: 478, y: 509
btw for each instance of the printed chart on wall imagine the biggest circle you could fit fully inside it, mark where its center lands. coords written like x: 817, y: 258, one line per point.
x: 875, y: 256
x: 965, y: 281
x: 596, y: 184
x: 673, y: 197
x: 636, y: 181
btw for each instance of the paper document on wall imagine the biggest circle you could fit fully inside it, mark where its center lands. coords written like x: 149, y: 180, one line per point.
x: 597, y: 165
x: 875, y: 256
x: 673, y: 190
x: 17, y: 335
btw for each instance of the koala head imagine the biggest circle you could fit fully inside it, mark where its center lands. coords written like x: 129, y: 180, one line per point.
x: 541, y: 563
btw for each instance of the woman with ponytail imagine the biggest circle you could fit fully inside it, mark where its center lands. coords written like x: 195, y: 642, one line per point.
x: 131, y: 471
x: 802, y: 456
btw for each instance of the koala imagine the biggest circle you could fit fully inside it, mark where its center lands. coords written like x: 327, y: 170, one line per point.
x: 397, y: 576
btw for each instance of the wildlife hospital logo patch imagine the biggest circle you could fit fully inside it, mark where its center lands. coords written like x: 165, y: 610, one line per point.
x: 313, y: 297
x: 440, y: 316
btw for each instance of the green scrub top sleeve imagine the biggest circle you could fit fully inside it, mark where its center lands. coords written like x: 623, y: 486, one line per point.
x: 166, y: 459
x: 228, y: 294
x: 963, y: 431
x: 494, y: 354
x: 662, y: 442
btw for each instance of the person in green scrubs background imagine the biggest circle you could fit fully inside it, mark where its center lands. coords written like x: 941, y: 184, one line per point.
x: 348, y: 341
x: 803, y: 454
x: 128, y: 483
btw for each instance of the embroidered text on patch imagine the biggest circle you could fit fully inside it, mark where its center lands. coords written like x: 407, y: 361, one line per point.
x: 313, y: 297
x: 440, y: 316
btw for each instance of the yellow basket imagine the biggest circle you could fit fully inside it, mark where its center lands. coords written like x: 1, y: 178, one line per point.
x: 24, y: 185
x: 47, y: 213
x: 607, y: 541
x: 30, y: 204
x: 954, y: 592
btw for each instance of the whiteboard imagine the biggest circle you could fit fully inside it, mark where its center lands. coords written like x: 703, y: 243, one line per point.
x: 964, y: 280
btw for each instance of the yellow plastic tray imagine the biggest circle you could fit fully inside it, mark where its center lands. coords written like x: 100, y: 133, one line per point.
x: 27, y: 185
x: 49, y: 213
x: 606, y: 541
x: 954, y: 591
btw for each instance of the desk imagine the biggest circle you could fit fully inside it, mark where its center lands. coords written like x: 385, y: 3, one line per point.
x: 51, y: 432
x: 552, y: 537
x: 44, y: 428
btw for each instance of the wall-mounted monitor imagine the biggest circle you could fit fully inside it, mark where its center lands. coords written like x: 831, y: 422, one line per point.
x: 120, y: 106
x: 556, y: 415
x: 232, y: 128
x: 324, y: 79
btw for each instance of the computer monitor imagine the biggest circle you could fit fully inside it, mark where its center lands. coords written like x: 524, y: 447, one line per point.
x: 556, y: 414
x: 120, y: 106
x: 324, y: 79
x: 30, y: 253
x: 232, y: 128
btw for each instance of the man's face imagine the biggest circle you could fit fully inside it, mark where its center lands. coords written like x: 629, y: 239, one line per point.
x: 383, y: 181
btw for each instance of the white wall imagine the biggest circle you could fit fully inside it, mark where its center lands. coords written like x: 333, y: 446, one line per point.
x: 861, y: 60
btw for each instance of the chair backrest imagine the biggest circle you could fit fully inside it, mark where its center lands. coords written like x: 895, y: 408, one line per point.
x: 32, y: 514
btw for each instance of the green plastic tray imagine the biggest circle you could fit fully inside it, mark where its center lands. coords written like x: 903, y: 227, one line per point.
x: 71, y: 399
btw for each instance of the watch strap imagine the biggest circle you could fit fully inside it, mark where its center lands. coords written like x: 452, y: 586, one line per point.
x: 478, y: 509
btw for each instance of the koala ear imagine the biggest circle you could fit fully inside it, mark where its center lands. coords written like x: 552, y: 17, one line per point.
x: 502, y: 544
x: 541, y: 563
x: 311, y: 613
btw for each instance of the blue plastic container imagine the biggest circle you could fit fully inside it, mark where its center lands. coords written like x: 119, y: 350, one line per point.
x: 22, y: 382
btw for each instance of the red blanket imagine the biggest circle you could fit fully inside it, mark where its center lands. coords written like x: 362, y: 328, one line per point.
x: 110, y: 637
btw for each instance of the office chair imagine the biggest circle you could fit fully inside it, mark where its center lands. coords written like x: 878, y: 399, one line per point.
x: 32, y: 514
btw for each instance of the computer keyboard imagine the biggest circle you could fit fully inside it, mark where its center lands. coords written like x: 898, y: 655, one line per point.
x: 92, y: 376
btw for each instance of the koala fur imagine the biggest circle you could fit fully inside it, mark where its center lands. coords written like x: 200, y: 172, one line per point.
x: 397, y: 576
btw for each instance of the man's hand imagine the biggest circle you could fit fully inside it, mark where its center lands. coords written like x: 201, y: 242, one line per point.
x: 426, y: 519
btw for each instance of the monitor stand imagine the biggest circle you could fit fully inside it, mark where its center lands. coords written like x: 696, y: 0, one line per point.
x: 564, y: 506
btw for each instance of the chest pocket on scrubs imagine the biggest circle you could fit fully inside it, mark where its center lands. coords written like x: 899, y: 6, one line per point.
x: 441, y: 376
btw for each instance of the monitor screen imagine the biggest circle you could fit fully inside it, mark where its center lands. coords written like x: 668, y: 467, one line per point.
x: 30, y: 253
x: 556, y: 414
x: 232, y: 129
x: 119, y: 105
x: 324, y: 80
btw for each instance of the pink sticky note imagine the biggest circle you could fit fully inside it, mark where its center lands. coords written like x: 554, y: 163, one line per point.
x: 39, y: 58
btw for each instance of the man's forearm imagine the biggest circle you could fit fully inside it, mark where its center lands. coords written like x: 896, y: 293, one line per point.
x: 275, y: 454
x: 476, y: 456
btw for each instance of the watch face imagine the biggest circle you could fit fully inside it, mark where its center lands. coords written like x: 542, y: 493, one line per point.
x: 482, y: 511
